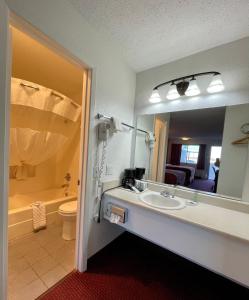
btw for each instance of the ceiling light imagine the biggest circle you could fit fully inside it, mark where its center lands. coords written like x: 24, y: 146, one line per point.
x: 193, y: 89
x: 216, y: 85
x: 184, y: 138
x: 155, y: 97
x: 172, y: 93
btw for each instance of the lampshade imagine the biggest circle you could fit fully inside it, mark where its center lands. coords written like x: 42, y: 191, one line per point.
x: 216, y: 85
x: 193, y: 89
x: 172, y: 93
x: 155, y: 97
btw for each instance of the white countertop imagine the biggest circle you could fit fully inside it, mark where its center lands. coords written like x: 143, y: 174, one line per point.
x: 219, y: 219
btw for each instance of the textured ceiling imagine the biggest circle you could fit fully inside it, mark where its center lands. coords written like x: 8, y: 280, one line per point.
x: 154, y: 32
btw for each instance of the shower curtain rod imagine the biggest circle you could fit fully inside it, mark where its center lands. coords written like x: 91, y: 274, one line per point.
x: 101, y: 116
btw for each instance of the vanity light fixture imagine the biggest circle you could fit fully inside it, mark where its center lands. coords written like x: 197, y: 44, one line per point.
x: 187, y: 86
x: 172, y: 93
x: 216, y: 85
x: 193, y: 89
x: 155, y: 97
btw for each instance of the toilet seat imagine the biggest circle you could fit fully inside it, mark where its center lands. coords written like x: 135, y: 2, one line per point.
x: 68, y: 208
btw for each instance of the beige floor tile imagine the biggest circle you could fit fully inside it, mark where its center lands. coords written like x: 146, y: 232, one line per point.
x: 53, y: 276
x: 68, y: 264
x: 20, y: 250
x: 22, y: 279
x: 44, y: 238
x: 38, y: 261
x: 34, y: 256
x: 55, y: 247
x: 24, y: 239
x: 30, y: 291
x: 16, y: 266
x: 44, y: 265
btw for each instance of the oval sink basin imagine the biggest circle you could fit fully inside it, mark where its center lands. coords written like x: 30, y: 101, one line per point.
x: 156, y: 200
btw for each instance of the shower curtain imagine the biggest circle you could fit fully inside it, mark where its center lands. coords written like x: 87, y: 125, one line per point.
x: 42, y: 122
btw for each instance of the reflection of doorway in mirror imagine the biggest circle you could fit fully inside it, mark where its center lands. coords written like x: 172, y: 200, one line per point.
x: 159, y: 153
x: 214, y: 164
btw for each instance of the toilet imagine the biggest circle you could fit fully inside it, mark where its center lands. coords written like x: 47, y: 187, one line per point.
x: 68, y: 211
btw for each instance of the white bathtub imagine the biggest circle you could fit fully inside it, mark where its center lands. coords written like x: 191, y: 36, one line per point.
x: 20, y: 211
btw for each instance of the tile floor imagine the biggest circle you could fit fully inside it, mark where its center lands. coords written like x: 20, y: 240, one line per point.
x: 37, y: 262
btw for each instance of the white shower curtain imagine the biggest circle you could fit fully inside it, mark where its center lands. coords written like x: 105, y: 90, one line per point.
x: 32, y: 147
x: 42, y: 122
x: 33, y: 95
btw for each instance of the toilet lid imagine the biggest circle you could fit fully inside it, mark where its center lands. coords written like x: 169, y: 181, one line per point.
x: 69, y: 207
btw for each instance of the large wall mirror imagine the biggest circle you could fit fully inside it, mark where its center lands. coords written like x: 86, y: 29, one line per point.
x: 196, y: 149
x: 194, y: 135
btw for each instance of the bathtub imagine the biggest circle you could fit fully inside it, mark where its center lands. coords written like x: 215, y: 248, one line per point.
x: 20, y: 212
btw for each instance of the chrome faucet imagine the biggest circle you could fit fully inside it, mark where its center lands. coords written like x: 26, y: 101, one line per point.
x: 133, y: 188
x: 167, y: 194
x: 67, y: 177
x: 67, y: 183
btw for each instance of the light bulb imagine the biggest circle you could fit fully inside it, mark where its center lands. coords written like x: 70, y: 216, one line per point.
x: 216, y: 85
x: 172, y: 93
x: 193, y: 89
x: 155, y: 97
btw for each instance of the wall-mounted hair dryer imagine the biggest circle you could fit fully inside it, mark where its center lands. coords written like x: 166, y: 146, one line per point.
x: 150, y: 139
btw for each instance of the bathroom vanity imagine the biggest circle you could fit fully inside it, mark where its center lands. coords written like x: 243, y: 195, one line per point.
x: 207, y: 229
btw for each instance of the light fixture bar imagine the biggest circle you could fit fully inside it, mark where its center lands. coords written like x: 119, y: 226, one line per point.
x: 174, y: 81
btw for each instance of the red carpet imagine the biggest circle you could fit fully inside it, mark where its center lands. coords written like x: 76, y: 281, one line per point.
x: 131, y: 268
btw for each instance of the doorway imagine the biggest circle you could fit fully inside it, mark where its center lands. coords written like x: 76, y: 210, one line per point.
x: 49, y: 116
x: 214, y: 163
x: 159, y: 153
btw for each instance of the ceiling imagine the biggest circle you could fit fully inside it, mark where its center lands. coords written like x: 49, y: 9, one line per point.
x: 34, y: 62
x: 154, y: 32
x: 199, y: 123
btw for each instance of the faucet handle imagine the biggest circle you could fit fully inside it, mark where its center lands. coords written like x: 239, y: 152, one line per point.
x: 165, y: 193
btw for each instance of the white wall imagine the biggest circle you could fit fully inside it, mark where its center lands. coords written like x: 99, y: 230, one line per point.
x: 230, y: 59
x: 113, y: 91
x: 233, y: 157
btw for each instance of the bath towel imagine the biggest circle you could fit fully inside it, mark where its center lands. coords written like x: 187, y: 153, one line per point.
x: 39, y: 215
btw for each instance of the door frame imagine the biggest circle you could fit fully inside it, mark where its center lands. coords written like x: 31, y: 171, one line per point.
x: 5, y: 63
x: 86, y: 146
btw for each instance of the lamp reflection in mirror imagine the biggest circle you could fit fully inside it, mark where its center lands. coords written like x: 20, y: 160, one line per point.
x: 155, y: 97
x: 172, y: 93
x: 193, y: 89
x: 216, y: 85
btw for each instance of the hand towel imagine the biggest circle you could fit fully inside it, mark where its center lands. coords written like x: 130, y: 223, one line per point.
x: 39, y: 215
x: 116, y: 125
